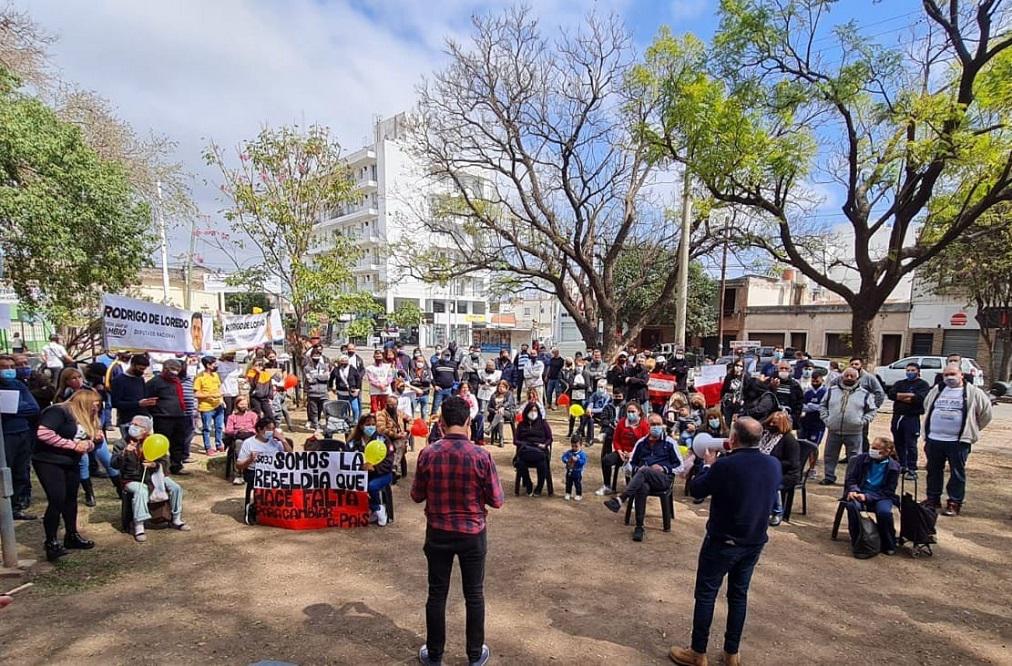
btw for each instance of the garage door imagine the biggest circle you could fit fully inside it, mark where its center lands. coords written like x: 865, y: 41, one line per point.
x: 963, y: 343
x: 768, y: 339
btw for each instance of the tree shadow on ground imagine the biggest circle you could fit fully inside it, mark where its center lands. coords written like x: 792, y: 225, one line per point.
x: 356, y: 622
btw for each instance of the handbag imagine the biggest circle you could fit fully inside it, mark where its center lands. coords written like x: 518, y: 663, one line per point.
x: 868, y: 542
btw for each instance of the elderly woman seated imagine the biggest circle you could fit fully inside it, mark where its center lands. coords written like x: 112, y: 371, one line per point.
x: 871, y: 486
x: 146, y: 479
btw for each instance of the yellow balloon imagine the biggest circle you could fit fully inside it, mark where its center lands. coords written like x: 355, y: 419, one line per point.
x: 684, y: 450
x: 375, y: 452
x: 576, y: 411
x: 155, y: 447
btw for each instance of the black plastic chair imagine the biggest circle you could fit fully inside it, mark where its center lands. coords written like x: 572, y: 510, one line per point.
x: 808, y: 462
x: 548, y: 481
x: 667, y: 506
x: 160, y: 512
x: 387, y: 497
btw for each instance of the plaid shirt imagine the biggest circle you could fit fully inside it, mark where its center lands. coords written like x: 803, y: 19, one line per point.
x: 456, y: 480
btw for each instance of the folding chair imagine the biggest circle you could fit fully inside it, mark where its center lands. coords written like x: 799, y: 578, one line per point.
x: 808, y: 462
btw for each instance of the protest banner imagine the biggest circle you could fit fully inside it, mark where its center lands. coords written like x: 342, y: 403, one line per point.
x: 130, y: 323
x: 307, y: 490
x: 248, y: 331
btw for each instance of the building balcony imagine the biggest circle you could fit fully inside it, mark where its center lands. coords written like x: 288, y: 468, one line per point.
x: 366, y: 186
x: 358, y: 215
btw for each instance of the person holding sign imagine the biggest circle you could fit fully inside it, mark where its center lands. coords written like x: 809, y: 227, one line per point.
x: 456, y: 480
x: 146, y: 474
x: 268, y: 440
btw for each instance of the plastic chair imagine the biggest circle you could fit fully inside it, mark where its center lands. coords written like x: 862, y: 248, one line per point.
x: 516, y: 465
x: 667, y: 506
x: 808, y: 462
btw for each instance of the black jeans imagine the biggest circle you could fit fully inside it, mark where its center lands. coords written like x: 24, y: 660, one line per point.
x: 60, y: 483
x: 532, y: 458
x: 314, y: 409
x: 646, y: 480
x: 574, y: 480
x: 18, y: 447
x: 717, y: 560
x: 174, y: 427
x: 608, y: 462
x: 470, y: 549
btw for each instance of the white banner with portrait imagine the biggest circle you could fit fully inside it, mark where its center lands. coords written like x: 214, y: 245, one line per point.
x: 130, y: 323
x: 248, y: 331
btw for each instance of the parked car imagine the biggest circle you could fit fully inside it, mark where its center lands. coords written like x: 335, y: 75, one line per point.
x: 930, y: 367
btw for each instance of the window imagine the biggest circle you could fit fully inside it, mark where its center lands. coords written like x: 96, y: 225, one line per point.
x: 527, y: 312
x: 930, y: 363
x: 478, y: 307
x: 837, y: 344
x: 439, y: 306
x: 462, y: 307
x: 730, y: 300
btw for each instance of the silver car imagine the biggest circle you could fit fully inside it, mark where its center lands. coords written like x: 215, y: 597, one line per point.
x: 931, y: 366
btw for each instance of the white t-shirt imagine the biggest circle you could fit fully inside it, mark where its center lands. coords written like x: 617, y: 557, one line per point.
x: 379, y: 377
x: 254, y: 447
x: 54, y: 353
x: 947, y: 415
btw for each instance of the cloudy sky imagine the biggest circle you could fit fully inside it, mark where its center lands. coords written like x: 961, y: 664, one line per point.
x: 197, y: 70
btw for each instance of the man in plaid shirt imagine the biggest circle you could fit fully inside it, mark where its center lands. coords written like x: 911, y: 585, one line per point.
x: 456, y: 480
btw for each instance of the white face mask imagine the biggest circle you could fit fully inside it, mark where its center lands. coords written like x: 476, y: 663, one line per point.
x: 533, y: 416
x: 875, y: 454
x: 784, y: 375
x: 135, y: 431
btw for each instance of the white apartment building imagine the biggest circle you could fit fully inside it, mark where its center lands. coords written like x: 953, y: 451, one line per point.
x: 386, y: 225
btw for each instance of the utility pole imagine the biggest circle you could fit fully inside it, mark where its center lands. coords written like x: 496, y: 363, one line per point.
x: 8, y: 539
x: 165, y: 247
x: 189, y: 265
x: 723, y: 282
x: 682, y: 299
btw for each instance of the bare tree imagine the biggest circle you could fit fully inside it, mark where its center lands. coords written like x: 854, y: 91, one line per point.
x: 547, y: 183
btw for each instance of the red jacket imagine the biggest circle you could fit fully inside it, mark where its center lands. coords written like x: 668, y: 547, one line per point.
x: 625, y: 438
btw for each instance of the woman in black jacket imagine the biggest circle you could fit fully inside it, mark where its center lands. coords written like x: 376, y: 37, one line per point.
x: 778, y: 441
x: 381, y: 474
x: 533, y: 441
x: 66, y: 432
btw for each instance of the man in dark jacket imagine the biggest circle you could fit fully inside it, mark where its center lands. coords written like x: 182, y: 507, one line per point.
x: 636, y: 378
x: 19, y: 433
x: 742, y: 486
x: 871, y: 486
x: 655, y: 461
x: 679, y: 367
x: 908, y: 407
x: 789, y: 392
x: 504, y: 365
x: 346, y: 382
x: 169, y: 412
x: 127, y: 392
x: 444, y: 375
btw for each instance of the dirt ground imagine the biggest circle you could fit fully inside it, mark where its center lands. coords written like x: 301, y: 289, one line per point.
x: 564, y: 585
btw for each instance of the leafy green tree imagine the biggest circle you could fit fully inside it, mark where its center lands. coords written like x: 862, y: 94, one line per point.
x: 641, y: 273
x: 244, y: 302
x: 360, y: 328
x: 405, y: 315
x: 71, y: 226
x: 287, y: 180
x: 763, y: 113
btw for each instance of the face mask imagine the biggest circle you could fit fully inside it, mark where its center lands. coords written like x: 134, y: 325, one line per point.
x: 875, y: 454
x: 784, y: 375
x: 679, y: 356
x: 806, y: 373
x: 351, y: 353
x: 738, y: 369
x: 602, y: 390
x: 9, y: 374
x: 533, y: 415
x: 23, y: 373
x: 911, y: 376
x: 714, y: 423
x: 134, y: 431
x: 777, y: 355
x: 632, y: 417
x: 848, y: 382
x: 657, y: 431
x: 475, y: 355
x: 419, y: 364
x: 369, y: 430
x: 952, y: 382
x: 316, y: 359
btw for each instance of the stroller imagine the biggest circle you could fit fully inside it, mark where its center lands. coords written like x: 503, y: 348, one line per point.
x: 337, y: 418
x: 917, y: 524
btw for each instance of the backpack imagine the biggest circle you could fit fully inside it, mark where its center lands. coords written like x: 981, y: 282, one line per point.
x: 917, y: 525
x: 868, y: 542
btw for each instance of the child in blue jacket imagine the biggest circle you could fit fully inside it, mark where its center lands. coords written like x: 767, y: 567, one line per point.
x: 575, y: 459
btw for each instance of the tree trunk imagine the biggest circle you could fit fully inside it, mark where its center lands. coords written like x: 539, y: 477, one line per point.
x: 862, y: 341
x: 1004, y: 373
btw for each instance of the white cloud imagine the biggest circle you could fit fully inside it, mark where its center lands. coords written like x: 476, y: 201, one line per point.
x: 689, y: 9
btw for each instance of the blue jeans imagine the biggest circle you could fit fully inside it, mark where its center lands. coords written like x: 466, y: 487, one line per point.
x: 141, y: 492
x: 552, y: 391
x: 883, y: 510
x: 906, y: 431
x: 104, y: 457
x: 213, y: 419
x: 375, y: 486
x: 441, y: 395
x: 954, y: 453
x: 422, y: 404
x: 717, y: 560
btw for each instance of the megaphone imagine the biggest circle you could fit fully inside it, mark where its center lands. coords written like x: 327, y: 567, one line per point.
x: 703, y: 442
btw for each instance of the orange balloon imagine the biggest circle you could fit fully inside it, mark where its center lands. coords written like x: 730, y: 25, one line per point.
x: 291, y: 381
x: 563, y: 400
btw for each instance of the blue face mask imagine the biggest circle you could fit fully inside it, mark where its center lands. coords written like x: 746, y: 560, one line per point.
x: 911, y: 376
x: 369, y: 430
x: 657, y: 431
x: 9, y: 374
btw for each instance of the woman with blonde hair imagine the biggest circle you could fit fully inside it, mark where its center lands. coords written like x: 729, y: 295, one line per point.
x: 71, y: 380
x: 67, y: 431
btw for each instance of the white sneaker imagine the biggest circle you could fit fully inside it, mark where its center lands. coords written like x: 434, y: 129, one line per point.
x: 568, y: 497
x: 237, y: 481
x: 373, y: 516
x: 381, y: 516
x: 579, y: 498
x: 603, y: 490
